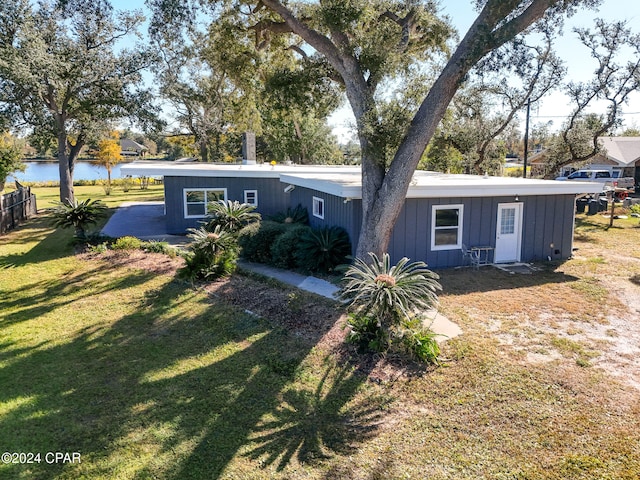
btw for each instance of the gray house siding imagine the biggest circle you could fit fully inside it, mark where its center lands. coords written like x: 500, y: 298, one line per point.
x: 336, y: 212
x: 546, y: 220
x: 271, y: 196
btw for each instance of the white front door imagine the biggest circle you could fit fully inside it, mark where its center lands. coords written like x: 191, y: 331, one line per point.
x: 508, y: 233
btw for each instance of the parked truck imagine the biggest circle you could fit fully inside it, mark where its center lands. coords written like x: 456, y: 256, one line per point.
x: 621, y: 186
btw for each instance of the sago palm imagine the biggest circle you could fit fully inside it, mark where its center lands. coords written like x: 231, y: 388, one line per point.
x: 390, y: 293
x: 78, y: 215
x: 231, y: 216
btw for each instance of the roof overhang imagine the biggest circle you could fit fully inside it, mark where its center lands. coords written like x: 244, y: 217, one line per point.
x: 197, y: 169
x: 346, y: 181
x: 437, y: 185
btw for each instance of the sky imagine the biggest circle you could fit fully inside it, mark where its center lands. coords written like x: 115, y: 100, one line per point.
x: 554, y: 106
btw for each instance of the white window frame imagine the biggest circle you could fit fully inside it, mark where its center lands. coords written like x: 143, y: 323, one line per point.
x: 434, y: 228
x: 318, y: 207
x: 255, y: 197
x: 185, y: 193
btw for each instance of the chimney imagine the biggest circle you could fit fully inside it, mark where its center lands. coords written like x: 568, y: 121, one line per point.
x: 248, y: 148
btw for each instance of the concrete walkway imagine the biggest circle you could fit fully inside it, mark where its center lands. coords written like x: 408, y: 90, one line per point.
x: 143, y: 220
x: 146, y: 221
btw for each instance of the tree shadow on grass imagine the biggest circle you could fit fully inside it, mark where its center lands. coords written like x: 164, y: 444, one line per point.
x: 47, y: 296
x: 313, y: 425
x: 489, y: 279
x: 50, y: 244
x: 174, y: 390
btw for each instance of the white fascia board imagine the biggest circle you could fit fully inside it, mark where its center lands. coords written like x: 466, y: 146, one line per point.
x: 446, y: 186
x: 343, y: 186
x: 196, y: 169
x: 500, y: 189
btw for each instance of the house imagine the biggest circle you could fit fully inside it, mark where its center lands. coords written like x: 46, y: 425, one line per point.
x: 621, y: 157
x: 516, y: 219
x: 129, y: 148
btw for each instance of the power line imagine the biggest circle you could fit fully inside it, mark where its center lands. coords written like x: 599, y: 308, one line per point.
x: 565, y: 116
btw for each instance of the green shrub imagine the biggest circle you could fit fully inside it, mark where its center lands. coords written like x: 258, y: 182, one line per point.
x: 365, y: 332
x: 392, y: 294
x: 322, y: 250
x: 213, y: 254
x: 127, y: 243
x: 69, y: 214
x: 154, y: 246
x: 635, y: 208
x: 99, y: 248
x: 284, y: 247
x: 231, y: 216
x: 420, y: 342
x: 256, y: 239
x: 299, y: 214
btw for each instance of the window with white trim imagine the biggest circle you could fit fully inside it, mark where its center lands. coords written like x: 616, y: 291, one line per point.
x: 318, y: 207
x: 197, y: 200
x: 251, y: 197
x: 446, y: 227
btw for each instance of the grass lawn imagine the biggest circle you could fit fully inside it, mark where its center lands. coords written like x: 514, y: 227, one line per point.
x: 147, y: 377
x: 48, y: 196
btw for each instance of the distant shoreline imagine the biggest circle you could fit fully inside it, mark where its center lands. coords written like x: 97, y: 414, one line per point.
x: 88, y: 160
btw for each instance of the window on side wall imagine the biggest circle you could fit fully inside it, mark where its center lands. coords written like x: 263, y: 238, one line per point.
x: 446, y: 227
x: 318, y: 207
x: 197, y: 200
x: 251, y: 197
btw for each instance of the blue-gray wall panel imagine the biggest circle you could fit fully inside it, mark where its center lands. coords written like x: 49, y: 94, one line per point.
x: 337, y: 212
x: 547, y: 219
x: 271, y: 196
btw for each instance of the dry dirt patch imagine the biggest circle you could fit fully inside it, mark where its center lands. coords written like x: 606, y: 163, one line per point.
x: 584, y: 311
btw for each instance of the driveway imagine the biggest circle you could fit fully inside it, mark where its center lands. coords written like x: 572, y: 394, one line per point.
x: 144, y: 220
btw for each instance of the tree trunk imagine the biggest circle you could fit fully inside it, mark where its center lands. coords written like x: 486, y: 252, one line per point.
x: 384, y: 194
x: 65, y: 169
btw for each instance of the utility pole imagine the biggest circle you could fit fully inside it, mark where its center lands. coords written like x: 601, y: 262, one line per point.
x: 526, y: 139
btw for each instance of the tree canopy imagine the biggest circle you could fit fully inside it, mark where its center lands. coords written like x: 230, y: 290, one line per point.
x: 65, y: 73
x: 375, y: 50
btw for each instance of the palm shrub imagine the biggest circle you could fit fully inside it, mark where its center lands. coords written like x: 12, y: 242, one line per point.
x: 392, y: 297
x: 322, y: 250
x: 212, y: 254
x: 80, y: 215
x: 231, y: 216
x: 299, y: 214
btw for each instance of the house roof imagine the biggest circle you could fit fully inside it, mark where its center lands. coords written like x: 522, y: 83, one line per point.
x: 198, y: 169
x: 623, y: 150
x: 130, y: 145
x: 436, y: 185
x: 346, y: 182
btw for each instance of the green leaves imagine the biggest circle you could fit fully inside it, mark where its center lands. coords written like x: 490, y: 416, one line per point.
x: 322, y: 250
x: 390, y: 292
x: 389, y: 302
x: 10, y: 158
x: 231, y: 216
x: 70, y: 213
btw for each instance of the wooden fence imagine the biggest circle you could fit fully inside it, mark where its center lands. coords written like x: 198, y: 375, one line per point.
x: 15, y: 207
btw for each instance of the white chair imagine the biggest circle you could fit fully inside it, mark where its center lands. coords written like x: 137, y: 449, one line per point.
x: 473, y: 256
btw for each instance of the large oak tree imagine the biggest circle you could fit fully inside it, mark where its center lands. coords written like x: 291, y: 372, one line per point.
x: 372, y: 47
x: 64, y: 69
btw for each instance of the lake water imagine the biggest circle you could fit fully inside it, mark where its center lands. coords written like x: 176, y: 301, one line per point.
x: 48, y: 172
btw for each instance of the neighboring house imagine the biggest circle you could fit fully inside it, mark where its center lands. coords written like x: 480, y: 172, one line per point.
x: 129, y: 148
x: 621, y: 158
x: 519, y: 219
